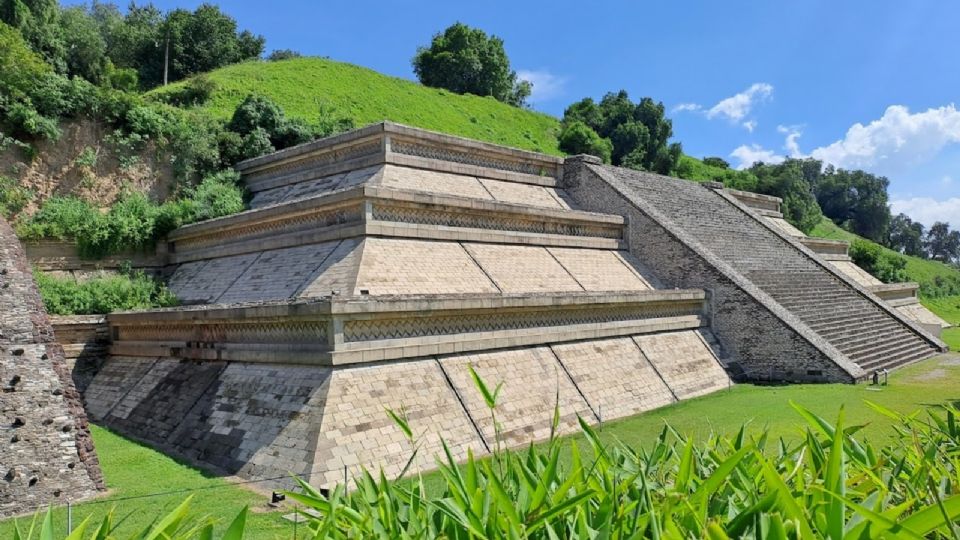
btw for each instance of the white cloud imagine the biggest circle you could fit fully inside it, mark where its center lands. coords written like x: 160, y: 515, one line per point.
x: 928, y: 210
x: 748, y: 155
x: 686, y: 107
x: 790, y: 144
x: 546, y: 85
x: 738, y: 106
x: 749, y: 125
x: 895, y: 141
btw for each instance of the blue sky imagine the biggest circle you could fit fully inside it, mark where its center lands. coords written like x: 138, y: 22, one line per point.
x: 860, y: 84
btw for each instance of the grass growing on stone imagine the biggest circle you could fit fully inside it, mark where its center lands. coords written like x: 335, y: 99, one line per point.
x: 302, y: 85
x: 132, y: 469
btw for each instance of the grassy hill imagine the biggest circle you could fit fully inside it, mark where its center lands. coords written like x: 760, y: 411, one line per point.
x: 301, y: 85
x: 920, y: 270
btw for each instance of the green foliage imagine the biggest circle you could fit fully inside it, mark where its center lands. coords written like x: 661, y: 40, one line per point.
x: 906, y: 236
x: 133, y: 223
x: 936, y: 279
x: 365, y: 96
x: 830, y: 485
x: 883, y: 265
x: 791, y: 181
x: 639, y: 132
x: 177, y: 525
x: 38, y: 21
x: 467, y: 61
x: 856, y: 200
x: 283, y: 54
x: 65, y: 296
x: 578, y: 138
x: 942, y: 244
x: 86, y: 49
x: 706, y: 170
x: 264, y: 127
x: 196, y: 91
x: 13, y: 197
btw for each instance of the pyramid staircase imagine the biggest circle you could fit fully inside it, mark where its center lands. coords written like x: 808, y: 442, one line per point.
x: 756, y: 244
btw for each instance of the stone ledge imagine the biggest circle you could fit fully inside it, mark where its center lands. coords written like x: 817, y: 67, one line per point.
x: 823, y: 246
x: 368, y: 211
x: 896, y: 291
x: 387, y: 142
x: 366, y: 329
x: 764, y: 204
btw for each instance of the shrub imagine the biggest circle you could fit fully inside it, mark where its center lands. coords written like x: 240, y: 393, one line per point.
x: 283, y: 54
x: 125, y: 291
x: 578, y: 138
x: 195, y: 91
x: 13, y: 197
x: 886, y: 266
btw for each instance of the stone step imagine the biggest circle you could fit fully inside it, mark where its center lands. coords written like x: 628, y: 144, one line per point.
x: 895, y: 362
x: 841, y: 305
x: 850, y: 333
x: 827, y: 320
x: 885, y: 355
x: 857, y: 346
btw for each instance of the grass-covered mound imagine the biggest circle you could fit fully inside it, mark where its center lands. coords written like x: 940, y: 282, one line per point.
x: 302, y: 86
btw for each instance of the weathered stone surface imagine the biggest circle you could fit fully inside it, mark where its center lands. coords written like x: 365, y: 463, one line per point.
x: 517, y: 269
x: 46, y: 453
x: 614, y: 376
x: 419, y: 267
x: 533, y: 383
x: 684, y: 362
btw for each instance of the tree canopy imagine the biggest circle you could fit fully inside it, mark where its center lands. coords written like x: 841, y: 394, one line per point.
x: 638, y: 133
x: 466, y: 60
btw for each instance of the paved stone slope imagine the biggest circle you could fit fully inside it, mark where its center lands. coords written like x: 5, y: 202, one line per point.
x: 853, y: 323
x: 265, y: 421
x: 46, y: 453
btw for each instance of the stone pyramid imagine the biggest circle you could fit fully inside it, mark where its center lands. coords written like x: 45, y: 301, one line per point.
x: 373, y: 270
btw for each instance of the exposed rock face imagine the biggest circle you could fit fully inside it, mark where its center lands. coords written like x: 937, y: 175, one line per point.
x: 46, y: 452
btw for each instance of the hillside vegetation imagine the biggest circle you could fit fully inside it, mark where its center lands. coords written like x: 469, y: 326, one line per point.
x: 302, y: 86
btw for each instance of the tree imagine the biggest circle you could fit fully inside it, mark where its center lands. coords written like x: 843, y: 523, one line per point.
x: 941, y: 243
x: 638, y: 132
x: 790, y: 181
x: 716, y: 162
x: 39, y: 23
x: 205, y: 40
x: 283, y: 54
x: 467, y: 61
x: 578, y: 138
x: 264, y: 128
x: 85, y: 46
x: 906, y: 236
x: 856, y: 200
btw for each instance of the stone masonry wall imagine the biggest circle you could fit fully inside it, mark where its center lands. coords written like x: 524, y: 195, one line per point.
x: 764, y: 344
x: 265, y: 421
x: 46, y: 452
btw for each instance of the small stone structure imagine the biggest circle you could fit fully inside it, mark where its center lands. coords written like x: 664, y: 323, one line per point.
x: 377, y: 267
x: 46, y: 453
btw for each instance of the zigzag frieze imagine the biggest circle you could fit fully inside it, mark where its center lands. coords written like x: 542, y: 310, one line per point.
x: 318, y: 160
x: 380, y: 329
x: 319, y: 218
x: 466, y: 158
x: 231, y: 332
x: 451, y: 218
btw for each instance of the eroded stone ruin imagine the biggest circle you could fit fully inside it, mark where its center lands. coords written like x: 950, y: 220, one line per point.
x: 375, y: 267
x: 46, y: 453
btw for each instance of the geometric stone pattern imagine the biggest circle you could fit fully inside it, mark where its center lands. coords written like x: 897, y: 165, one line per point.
x: 600, y: 270
x: 337, y: 273
x: 522, y: 269
x: 394, y: 266
x: 532, y: 378
x: 355, y: 428
x: 526, y: 194
x: 278, y: 274
x: 615, y: 377
x: 685, y: 362
x: 205, y: 284
x: 112, y: 382
x: 46, y: 453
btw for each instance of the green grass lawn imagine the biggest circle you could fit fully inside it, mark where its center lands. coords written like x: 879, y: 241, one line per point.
x: 300, y: 85
x: 132, y: 469
x: 948, y: 308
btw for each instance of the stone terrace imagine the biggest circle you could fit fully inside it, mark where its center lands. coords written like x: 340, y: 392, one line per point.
x: 373, y: 270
